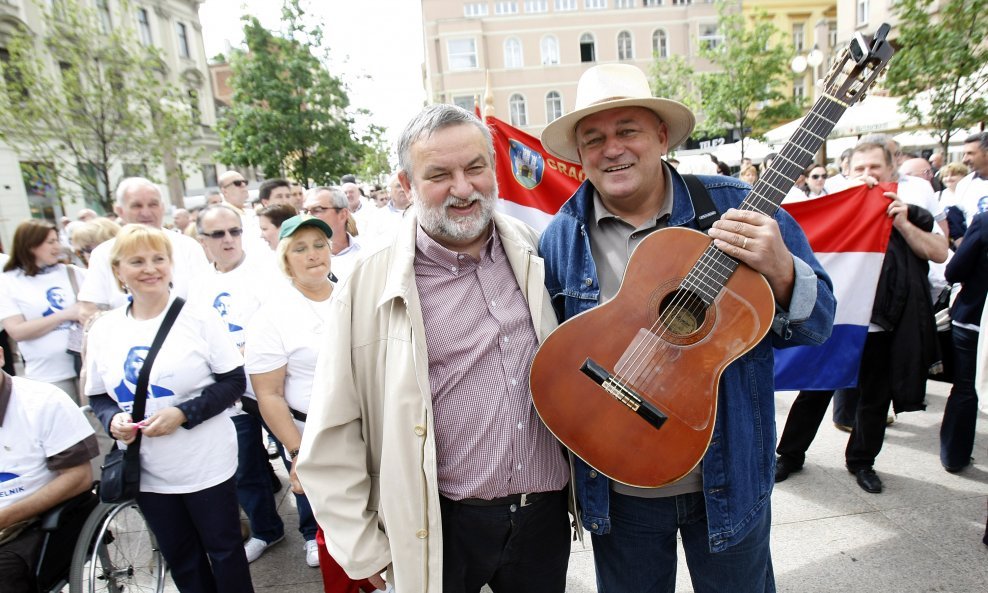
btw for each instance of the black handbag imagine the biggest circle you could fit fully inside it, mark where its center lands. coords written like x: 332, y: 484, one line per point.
x: 120, y: 479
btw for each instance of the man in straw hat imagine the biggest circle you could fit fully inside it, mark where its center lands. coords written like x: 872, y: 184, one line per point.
x: 619, y: 133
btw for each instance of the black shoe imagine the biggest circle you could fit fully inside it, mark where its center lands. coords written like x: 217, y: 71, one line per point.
x: 869, y: 480
x: 953, y: 469
x: 783, y: 468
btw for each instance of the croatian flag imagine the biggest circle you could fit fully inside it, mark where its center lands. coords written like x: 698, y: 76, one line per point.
x: 848, y: 232
x: 532, y: 184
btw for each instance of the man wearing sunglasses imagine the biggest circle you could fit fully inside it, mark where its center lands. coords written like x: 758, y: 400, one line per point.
x: 240, y: 283
x: 233, y: 186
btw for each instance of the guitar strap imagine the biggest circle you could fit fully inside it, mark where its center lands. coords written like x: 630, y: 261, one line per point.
x: 703, y: 205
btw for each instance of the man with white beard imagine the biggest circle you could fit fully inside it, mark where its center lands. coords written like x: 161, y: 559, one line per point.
x: 423, y: 450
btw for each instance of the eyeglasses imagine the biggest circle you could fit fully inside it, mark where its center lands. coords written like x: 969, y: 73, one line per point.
x: 819, y: 176
x: 234, y: 232
x: 317, y: 210
x: 237, y: 182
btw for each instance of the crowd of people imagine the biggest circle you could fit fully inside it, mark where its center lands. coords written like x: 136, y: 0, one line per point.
x: 382, y: 352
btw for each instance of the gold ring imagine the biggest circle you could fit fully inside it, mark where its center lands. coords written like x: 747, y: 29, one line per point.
x: 744, y: 244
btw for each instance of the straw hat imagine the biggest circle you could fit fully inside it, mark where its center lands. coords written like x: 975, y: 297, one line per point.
x: 610, y: 86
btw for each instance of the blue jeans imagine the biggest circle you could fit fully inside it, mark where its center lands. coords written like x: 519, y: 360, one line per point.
x: 846, y: 405
x: 960, y: 415
x: 639, y: 554
x: 199, y: 536
x: 254, y: 482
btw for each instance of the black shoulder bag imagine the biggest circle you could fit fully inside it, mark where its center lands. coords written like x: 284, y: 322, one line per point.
x: 121, y: 476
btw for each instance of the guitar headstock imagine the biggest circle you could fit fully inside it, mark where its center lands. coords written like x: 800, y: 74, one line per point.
x: 858, y: 65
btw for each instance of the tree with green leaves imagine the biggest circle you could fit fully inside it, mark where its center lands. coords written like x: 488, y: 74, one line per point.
x: 288, y: 114
x: 374, y: 161
x: 86, y: 99
x: 941, y: 67
x: 672, y: 78
x: 753, y: 69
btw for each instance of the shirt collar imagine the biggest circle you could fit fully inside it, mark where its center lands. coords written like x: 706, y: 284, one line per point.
x: 433, y: 251
x: 600, y: 211
x: 5, y: 390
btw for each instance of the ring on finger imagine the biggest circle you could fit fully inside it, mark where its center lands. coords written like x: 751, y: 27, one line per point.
x: 744, y: 244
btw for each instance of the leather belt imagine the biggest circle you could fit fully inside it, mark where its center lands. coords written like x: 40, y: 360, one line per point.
x: 522, y: 500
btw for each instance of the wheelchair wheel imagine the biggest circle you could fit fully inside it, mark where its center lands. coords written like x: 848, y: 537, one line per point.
x: 116, y: 553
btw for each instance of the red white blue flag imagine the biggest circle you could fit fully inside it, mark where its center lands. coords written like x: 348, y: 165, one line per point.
x: 848, y: 232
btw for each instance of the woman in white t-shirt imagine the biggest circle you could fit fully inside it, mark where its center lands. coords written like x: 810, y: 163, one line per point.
x: 188, y: 444
x: 283, y: 342
x: 38, y: 304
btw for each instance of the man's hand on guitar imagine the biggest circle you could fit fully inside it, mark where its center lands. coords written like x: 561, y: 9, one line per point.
x: 755, y: 239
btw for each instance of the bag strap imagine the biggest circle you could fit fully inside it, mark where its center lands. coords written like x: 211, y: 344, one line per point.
x: 70, y: 269
x: 141, y: 392
x: 703, y: 204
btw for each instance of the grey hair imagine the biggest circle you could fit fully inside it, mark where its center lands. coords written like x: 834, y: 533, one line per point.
x: 129, y: 184
x: 432, y: 119
x: 337, y: 196
x: 213, y: 208
x: 981, y: 138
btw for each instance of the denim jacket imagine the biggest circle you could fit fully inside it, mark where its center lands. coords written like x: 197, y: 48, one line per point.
x: 739, y: 465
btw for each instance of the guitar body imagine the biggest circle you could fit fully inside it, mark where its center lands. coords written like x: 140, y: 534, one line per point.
x: 674, y: 363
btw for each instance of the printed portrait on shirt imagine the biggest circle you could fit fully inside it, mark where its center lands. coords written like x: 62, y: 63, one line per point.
x: 132, y: 370
x: 222, y: 304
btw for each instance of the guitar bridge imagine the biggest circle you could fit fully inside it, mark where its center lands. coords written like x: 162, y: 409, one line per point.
x: 623, y: 393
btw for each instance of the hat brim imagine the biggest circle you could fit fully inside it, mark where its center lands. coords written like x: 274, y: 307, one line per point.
x: 308, y: 222
x: 559, y: 137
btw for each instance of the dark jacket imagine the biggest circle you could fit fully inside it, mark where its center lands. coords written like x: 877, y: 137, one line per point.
x: 903, y: 307
x: 969, y: 266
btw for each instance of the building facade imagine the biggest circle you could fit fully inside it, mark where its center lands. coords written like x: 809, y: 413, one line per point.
x: 172, y: 26
x: 531, y: 53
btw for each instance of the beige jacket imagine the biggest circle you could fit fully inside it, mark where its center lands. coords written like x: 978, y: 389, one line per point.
x: 368, y: 455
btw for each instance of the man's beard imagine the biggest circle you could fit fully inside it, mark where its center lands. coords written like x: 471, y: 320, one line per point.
x: 438, y: 225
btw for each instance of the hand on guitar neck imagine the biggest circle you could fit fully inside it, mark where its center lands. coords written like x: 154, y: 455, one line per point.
x: 755, y: 239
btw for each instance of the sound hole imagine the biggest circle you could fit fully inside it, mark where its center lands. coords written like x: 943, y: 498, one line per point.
x: 682, y: 312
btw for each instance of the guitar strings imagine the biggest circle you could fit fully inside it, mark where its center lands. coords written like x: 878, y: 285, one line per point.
x: 827, y: 112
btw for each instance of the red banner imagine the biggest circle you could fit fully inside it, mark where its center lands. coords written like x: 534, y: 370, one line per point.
x: 532, y: 183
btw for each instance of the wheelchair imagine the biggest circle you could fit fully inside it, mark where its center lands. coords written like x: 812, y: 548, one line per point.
x: 115, y: 550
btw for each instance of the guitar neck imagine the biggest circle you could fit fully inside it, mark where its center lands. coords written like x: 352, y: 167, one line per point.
x: 714, y: 268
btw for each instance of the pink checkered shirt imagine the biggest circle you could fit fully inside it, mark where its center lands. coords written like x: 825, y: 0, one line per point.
x: 478, y: 330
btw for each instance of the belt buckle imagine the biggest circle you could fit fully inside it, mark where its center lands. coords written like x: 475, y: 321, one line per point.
x: 524, y: 500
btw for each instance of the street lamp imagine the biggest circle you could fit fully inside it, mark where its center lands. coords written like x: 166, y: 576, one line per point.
x: 813, y: 60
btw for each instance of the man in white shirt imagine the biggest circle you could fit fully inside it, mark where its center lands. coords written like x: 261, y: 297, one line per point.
x: 387, y: 219
x: 138, y: 201
x: 971, y: 194
x: 236, y: 289
x: 360, y: 207
x: 329, y: 204
x: 47, y: 443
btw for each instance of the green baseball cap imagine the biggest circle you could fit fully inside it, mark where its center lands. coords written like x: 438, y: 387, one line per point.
x: 294, y: 223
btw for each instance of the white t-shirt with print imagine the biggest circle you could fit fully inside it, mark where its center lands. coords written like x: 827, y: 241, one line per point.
x: 289, y: 330
x: 198, y: 345
x: 238, y: 294
x: 40, y: 422
x: 45, y: 358
x: 971, y: 196
x: 919, y: 192
x: 189, y: 265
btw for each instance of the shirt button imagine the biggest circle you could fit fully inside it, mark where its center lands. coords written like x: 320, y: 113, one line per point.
x: 521, y: 426
x: 453, y: 269
x: 460, y: 256
x: 514, y: 381
x: 593, y: 473
x: 518, y: 466
x: 493, y: 304
x: 588, y: 281
x: 419, y: 430
x: 505, y: 339
x: 422, y: 533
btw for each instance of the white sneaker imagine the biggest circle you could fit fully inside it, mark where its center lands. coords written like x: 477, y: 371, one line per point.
x: 255, y: 547
x: 312, y: 553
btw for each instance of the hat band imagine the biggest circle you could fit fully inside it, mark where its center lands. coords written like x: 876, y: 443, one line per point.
x: 609, y: 99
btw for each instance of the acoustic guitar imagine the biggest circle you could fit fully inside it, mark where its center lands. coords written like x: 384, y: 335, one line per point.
x: 631, y: 385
